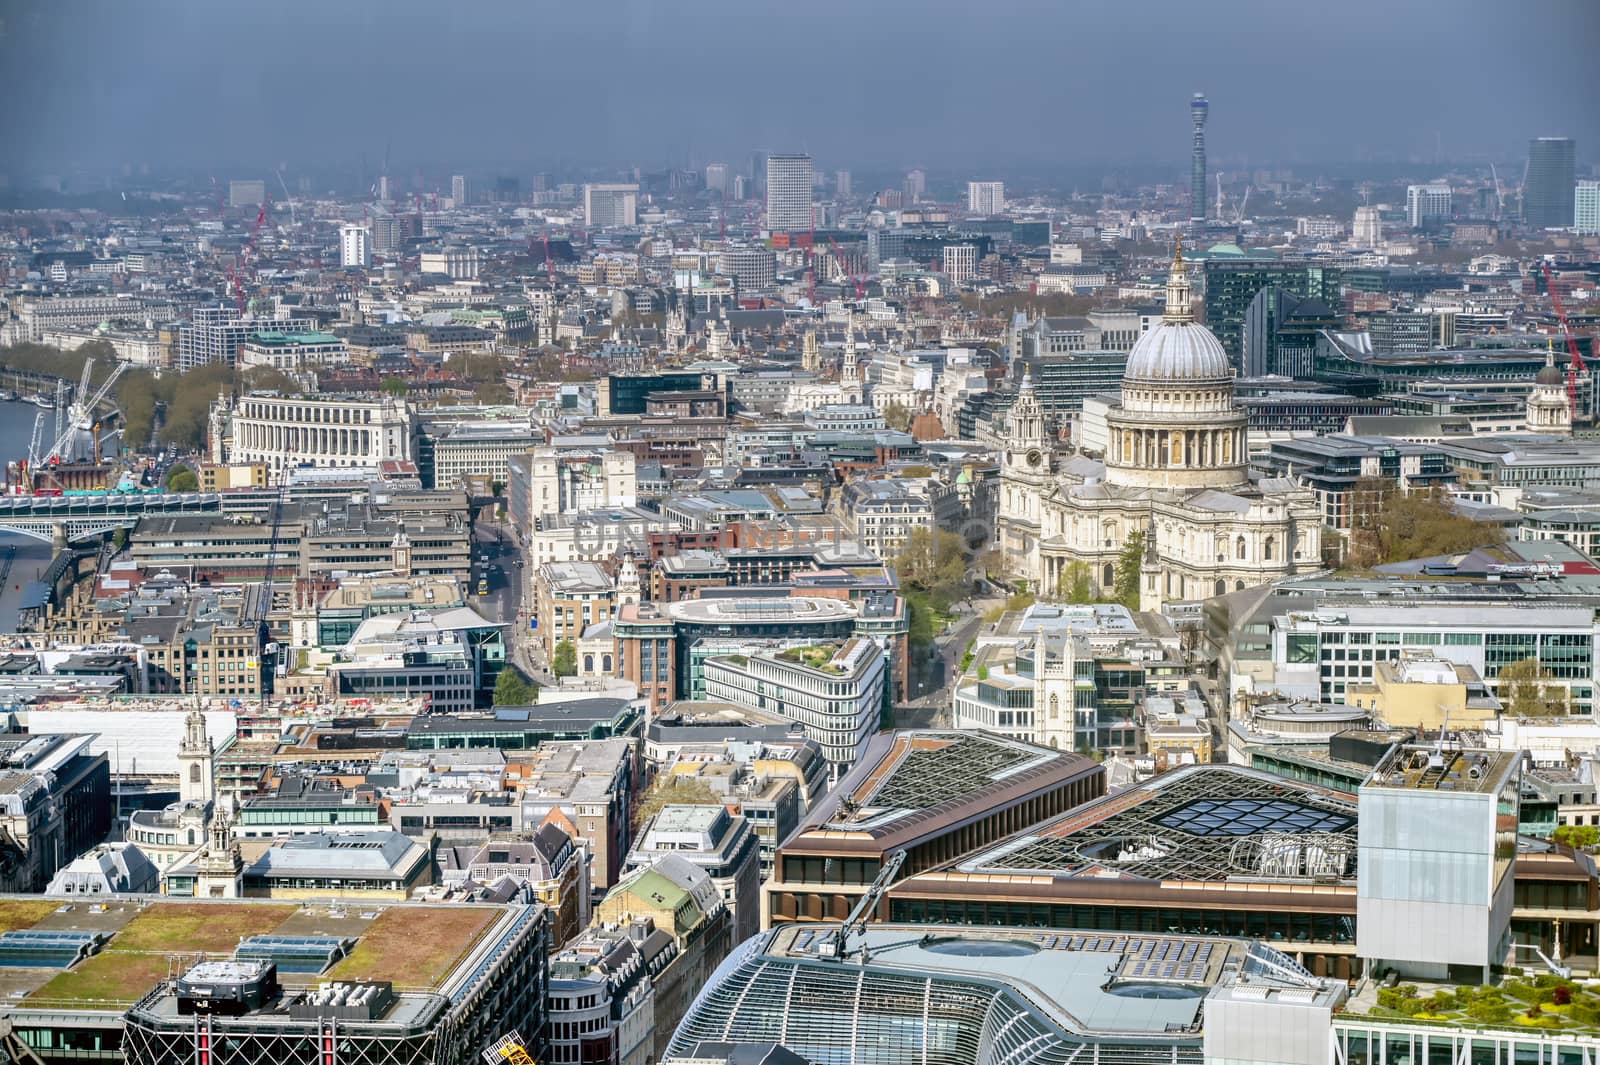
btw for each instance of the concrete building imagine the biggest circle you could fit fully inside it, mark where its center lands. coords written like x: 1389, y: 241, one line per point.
x: 752, y: 267
x: 247, y: 193
x: 959, y: 262
x: 1199, y: 111
x: 568, y: 598
x: 1586, y: 209
x: 789, y: 181
x: 284, y: 432
x: 1427, y: 206
x: 724, y: 846
x: 292, y: 353
x: 479, y: 450
x: 614, y: 205
x: 55, y: 804
x: 835, y: 690
x: 355, y: 247
x: 986, y: 197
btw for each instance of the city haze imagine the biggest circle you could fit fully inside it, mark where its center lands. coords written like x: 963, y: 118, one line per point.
x: 199, y: 85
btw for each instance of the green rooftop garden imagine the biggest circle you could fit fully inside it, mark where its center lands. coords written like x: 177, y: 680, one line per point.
x: 393, y: 947
x: 1545, y: 1001
x: 24, y: 913
x: 816, y: 656
x: 142, y: 954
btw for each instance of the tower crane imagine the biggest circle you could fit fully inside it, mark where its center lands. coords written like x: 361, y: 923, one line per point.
x: 80, y: 418
x: 1575, y: 366
x: 293, y: 221
x: 844, y: 268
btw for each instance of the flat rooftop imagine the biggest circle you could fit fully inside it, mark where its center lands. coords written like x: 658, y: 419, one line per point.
x: 737, y: 611
x: 419, y: 947
x: 1422, y: 767
x: 915, y: 782
x: 1204, y: 823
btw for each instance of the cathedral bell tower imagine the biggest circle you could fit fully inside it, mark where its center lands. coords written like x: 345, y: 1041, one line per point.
x: 1028, y: 451
x: 195, y: 760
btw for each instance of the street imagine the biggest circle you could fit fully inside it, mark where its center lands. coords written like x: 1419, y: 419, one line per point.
x: 498, y: 559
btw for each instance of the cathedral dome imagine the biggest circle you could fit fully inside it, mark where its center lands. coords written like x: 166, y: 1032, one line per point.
x: 1179, y: 349
x: 1549, y: 374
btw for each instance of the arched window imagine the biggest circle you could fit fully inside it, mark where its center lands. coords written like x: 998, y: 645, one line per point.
x: 1238, y: 547
x: 194, y: 773
x: 1222, y: 588
x: 588, y: 663
x: 605, y: 663
x: 1110, y: 576
x: 1238, y: 586
x: 1266, y: 549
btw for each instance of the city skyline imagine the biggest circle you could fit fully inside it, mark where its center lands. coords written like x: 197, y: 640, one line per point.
x: 391, y: 79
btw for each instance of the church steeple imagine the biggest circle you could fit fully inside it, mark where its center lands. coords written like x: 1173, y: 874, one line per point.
x: 849, y: 371
x: 1027, y: 419
x: 810, y: 352
x: 194, y: 760
x: 1179, y: 307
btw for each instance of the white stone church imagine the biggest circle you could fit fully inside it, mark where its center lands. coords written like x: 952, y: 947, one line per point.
x: 1175, y: 468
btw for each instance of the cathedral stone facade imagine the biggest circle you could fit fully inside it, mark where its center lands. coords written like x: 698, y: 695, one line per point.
x: 1176, y: 469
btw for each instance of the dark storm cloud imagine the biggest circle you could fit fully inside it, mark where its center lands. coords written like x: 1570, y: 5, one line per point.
x: 212, y: 83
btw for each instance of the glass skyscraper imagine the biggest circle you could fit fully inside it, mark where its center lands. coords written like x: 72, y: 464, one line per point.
x: 1547, y: 191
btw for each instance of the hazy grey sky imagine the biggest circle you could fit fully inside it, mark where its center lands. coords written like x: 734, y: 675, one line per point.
x: 229, y: 83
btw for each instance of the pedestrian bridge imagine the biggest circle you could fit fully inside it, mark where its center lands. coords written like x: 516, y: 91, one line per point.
x: 65, y: 519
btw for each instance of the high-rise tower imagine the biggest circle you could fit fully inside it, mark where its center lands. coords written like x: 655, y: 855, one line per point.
x: 1198, y: 109
x: 1549, y: 184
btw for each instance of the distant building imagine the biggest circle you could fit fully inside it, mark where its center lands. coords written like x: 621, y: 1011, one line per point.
x: 1586, y: 209
x: 1548, y: 191
x: 610, y: 205
x: 841, y: 183
x: 355, y: 247
x: 458, y: 189
x: 1366, y: 231
x: 960, y: 262
x: 717, y: 178
x: 247, y: 193
x: 1427, y: 205
x: 55, y: 802
x: 986, y: 197
x: 789, y: 179
x: 1199, y: 110
x: 1231, y: 283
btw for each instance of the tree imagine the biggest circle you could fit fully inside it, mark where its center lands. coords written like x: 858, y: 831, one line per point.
x: 394, y: 386
x: 1524, y: 695
x: 1077, y: 584
x: 511, y: 690
x: 1125, y: 583
x: 1579, y: 837
x: 564, y: 661
x: 933, y: 562
x: 1388, y: 525
x: 897, y: 417
x: 181, y: 478
x: 673, y: 790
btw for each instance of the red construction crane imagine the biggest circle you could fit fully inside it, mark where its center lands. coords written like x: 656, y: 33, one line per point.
x: 855, y: 279
x: 1575, y: 365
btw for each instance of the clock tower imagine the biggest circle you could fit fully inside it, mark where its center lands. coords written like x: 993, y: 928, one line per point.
x: 1028, y: 450
x: 1025, y: 473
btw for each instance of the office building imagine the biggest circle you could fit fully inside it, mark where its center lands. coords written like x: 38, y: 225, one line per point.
x: 959, y: 262
x: 841, y: 183
x: 935, y: 795
x: 355, y: 247
x: 717, y: 178
x: 753, y: 267
x: 915, y: 186
x: 1199, y: 110
x: 283, y: 433
x: 789, y: 179
x: 897, y: 993
x: 1586, y: 209
x: 55, y: 803
x: 154, y: 981
x: 986, y: 197
x: 610, y: 205
x: 1427, y: 206
x: 247, y: 193
x: 1548, y: 190
x: 722, y: 845
x: 835, y: 690
x: 1231, y: 283
x: 1281, y: 331
x: 458, y: 189
x: 1437, y: 841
